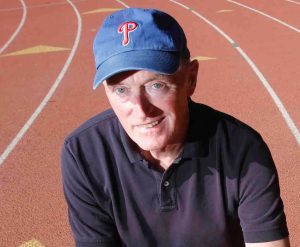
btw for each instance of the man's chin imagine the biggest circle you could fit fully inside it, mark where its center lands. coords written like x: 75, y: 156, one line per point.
x: 150, y: 145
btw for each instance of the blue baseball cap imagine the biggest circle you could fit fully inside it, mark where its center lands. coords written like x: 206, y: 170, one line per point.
x: 138, y: 39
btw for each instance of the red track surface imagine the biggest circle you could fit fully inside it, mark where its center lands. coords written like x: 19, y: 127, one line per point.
x: 32, y: 204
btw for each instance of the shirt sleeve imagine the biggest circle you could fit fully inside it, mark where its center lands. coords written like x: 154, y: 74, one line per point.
x: 260, y: 209
x: 91, y: 224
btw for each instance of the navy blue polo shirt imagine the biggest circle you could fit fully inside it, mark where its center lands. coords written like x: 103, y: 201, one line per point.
x: 221, y: 192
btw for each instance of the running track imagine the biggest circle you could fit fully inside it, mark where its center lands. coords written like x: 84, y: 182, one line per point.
x: 249, y: 56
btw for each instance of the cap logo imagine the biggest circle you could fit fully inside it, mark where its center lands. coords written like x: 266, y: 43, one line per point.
x: 127, y: 28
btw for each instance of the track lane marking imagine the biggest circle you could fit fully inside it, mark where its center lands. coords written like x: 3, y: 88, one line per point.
x: 21, y: 24
x: 266, y: 15
x: 202, y: 58
x: 34, y: 6
x: 289, y: 121
x: 46, y: 99
x: 293, y: 1
x: 32, y: 243
x: 124, y: 4
x: 224, y: 11
x: 101, y: 10
x: 36, y: 50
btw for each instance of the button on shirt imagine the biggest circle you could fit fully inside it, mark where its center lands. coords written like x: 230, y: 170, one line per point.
x: 166, y: 183
x: 222, y: 192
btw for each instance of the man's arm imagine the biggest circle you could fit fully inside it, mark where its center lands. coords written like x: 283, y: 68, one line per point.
x: 261, y: 209
x: 279, y: 243
x: 91, y: 224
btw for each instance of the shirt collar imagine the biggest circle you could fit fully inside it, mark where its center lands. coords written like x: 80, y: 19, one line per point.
x: 131, y: 149
x: 196, y: 144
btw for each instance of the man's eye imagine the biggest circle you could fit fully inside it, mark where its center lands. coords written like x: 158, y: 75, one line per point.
x: 158, y: 85
x: 120, y: 90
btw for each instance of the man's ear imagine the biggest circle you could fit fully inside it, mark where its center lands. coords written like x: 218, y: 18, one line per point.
x: 193, y: 73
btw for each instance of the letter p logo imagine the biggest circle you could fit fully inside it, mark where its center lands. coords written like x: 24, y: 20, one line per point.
x: 127, y: 28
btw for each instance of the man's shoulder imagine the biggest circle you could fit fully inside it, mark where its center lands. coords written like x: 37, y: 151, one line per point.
x: 219, y: 124
x: 102, y: 123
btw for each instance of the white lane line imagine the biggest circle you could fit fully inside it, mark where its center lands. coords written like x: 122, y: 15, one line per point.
x: 293, y: 1
x: 42, y: 5
x: 44, y: 102
x: 266, y: 15
x: 14, y: 35
x: 124, y: 4
x: 289, y: 121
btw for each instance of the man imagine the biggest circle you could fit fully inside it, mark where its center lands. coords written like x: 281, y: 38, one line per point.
x: 159, y: 170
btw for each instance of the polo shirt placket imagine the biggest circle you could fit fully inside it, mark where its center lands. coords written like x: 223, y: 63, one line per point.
x: 166, y: 191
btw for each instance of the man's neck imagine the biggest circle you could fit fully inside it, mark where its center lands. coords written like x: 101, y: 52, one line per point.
x: 162, y: 159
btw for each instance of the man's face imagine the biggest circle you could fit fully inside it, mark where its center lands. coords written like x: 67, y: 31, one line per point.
x: 153, y: 108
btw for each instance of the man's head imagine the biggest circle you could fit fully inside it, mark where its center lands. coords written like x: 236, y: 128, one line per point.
x: 147, y: 75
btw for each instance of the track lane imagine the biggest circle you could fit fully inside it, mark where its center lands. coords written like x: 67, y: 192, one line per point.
x: 9, y: 18
x: 265, y: 15
x: 294, y: 2
x: 11, y: 121
x: 279, y: 45
x: 13, y: 195
x: 281, y: 9
x: 18, y: 29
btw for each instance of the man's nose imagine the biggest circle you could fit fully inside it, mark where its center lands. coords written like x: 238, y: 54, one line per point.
x: 142, y: 104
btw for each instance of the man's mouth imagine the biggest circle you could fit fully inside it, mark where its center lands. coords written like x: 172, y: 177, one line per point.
x: 150, y: 125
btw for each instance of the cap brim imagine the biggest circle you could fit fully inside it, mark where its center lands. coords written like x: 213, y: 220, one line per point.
x: 157, y: 61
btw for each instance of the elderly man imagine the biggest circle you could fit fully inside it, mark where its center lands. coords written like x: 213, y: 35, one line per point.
x: 159, y: 170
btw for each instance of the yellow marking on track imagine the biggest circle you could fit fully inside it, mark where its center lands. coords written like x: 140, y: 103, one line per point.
x: 201, y: 58
x: 224, y: 10
x: 100, y: 11
x: 32, y: 243
x: 36, y: 50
